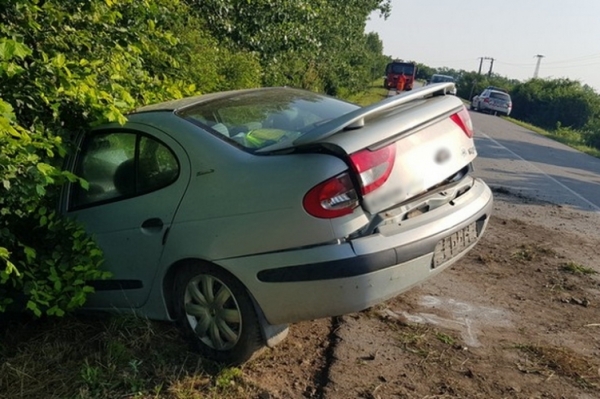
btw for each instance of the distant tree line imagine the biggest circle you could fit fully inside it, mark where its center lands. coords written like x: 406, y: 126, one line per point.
x: 562, y: 106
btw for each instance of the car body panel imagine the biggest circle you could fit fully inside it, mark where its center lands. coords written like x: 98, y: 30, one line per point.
x: 286, y: 302
x: 242, y: 210
x: 419, y: 141
x: 132, y: 252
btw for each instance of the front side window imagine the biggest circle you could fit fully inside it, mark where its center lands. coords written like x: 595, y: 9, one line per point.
x: 121, y: 165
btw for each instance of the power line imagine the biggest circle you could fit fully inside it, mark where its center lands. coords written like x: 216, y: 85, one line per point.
x: 572, y: 66
x: 581, y: 58
x: 547, y: 65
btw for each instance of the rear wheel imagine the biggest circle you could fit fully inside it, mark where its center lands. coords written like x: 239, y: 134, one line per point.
x: 215, y: 312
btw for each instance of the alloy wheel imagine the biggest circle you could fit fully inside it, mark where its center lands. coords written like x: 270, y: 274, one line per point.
x: 213, y: 312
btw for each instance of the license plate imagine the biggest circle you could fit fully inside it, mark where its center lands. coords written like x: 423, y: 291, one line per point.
x: 454, y: 244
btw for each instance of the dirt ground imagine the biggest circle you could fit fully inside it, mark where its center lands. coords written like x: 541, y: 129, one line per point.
x: 519, y: 317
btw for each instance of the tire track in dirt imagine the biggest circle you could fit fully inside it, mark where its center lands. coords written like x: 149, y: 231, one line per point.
x: 322, y: 375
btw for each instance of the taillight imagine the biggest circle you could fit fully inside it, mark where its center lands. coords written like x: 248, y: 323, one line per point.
x: 374, y: 167
x: 331, y: 199
x: 463, y: 120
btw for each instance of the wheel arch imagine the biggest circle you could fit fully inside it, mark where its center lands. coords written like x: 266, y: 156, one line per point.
x: 272, y: 334
x: 168, y: 283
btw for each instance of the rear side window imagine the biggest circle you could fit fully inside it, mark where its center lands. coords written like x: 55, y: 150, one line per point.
x: 121, y: 165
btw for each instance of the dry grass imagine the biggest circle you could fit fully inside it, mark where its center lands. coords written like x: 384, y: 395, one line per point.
x: 577, y: 269
x: 107, y: 357
x: 531, y: 252
x: 547, y: 360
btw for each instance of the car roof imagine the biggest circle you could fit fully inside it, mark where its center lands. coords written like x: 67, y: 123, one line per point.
x: 494, y: 88
x: 498, y: 91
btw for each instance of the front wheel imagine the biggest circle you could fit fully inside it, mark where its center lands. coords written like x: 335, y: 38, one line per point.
x: 215, y: 312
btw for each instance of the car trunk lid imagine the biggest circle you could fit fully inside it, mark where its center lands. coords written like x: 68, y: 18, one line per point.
x: 407, y: 152
x: 401, y: 147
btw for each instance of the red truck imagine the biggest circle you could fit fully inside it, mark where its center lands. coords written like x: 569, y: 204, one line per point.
x: 394, y: 69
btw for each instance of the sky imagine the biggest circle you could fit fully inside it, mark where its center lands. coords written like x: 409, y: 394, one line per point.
x: 456, y: 33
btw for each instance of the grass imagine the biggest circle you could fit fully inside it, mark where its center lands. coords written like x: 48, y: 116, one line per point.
x: 108, y: 357
x: 531, y: 252
x: 424, y: 341
x: 573, y: 141
x: 374, y: 93
x: 575, y: 268
x: 548, y: 360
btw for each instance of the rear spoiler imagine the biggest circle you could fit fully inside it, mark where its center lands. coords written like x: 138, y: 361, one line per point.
x: 355, y: 119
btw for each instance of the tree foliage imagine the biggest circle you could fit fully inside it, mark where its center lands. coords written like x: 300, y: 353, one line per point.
x: 314, y: 44
x: 563, y: 106
x: 65, y: 66
x: 548, y: 102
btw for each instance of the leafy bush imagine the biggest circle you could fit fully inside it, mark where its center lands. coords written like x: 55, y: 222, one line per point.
x: 548, y: 102
x: 66, y: 65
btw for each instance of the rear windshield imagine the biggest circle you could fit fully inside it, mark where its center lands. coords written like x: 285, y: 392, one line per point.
x: 500, y: 96
x: 259, y: 118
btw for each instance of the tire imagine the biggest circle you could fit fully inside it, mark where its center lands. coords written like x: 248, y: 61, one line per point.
x: 215, y: 312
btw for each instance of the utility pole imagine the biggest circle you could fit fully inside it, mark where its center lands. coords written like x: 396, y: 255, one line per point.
x: 491, y: 66
x: 537, y: 65
x: 479, y: 72
x: 481, y: 64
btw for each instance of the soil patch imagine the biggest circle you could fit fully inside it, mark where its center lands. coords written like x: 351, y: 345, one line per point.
x: 519, y: 317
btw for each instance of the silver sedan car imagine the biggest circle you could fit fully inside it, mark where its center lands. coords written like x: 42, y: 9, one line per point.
x: 234, y: 214
x: 493, y: 101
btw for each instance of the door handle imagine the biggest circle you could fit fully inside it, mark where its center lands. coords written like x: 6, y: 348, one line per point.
x: 153, y: 223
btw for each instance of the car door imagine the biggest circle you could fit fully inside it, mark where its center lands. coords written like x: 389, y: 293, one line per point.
x: 137, y: 176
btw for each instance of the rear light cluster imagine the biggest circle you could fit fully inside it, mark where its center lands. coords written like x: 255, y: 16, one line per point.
x: 463, y: 120
x: 373, y: 167
x: 333, y: 198
x: 337, y: 196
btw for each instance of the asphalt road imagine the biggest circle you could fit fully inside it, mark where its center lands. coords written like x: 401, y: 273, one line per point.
x: 523, y: 162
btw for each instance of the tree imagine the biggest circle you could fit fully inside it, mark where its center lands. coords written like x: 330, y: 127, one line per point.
x: 547, y: 103
x: 316, y: 44
x: 66, y: 65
